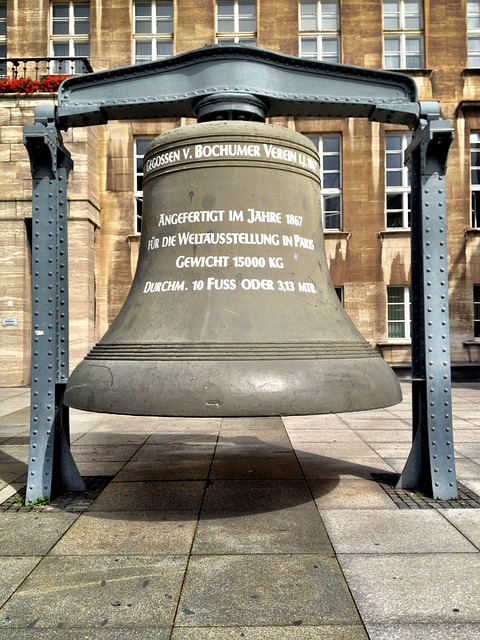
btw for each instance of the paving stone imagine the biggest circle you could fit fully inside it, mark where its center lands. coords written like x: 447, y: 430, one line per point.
x: 298, y: 529
x: 103, y: 452
x: 324, y: 632
x: 14, y: 418
x: 320, y: 467
x: 86, y: 634
x: 32, y: 533
x: 397, y: 531
x: 13, y: 571
x: 440, y: 631
x: 265, y: 590
x: 13, y: 453
x: 150, y: 452
x: 150, y: 496
x: 92, y: 592
x: 256, y: 496
x: 277, y: 467
x: 467, y: 522
x: 299, y: 437
x: 169, y: 468
x: 134, y: 532
x: 415, y: 588
x: 349, y: 494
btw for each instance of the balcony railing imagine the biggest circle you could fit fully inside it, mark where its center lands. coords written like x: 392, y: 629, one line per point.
x: 37, y: 68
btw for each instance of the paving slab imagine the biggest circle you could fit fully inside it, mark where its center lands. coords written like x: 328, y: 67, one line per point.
x: 467, y: 521
x: 14, y: 571
x: 167, y: 468
x: 350, y: 494
x: 20, y: 417
x: 324, y: 632
x: 415, y: 588
x: 150, y: 496
x: 264, y: 590
x: 14, y: 453
x: 175, y: 450
x: 277, y: 467
x: 85, y: 634
x: 32, y: 533
x: 131, y: 532
x: 299, y: 437
x: 92, y: 592
x: 322, y: 467
x: 397, y: 531
x: 440, y: 631
x: 297, y: 529
x: 244, y: 496
x: 103, y: 452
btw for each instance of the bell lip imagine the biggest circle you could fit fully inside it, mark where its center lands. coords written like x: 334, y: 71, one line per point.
x: 229, y: 389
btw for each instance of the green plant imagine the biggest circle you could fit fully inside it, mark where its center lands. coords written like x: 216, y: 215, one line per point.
x: 39, y: 502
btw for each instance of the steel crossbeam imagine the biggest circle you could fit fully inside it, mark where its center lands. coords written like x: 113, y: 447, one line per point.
x: 254, y: 84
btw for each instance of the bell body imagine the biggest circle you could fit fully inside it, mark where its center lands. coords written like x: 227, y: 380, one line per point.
x: 232, y: 311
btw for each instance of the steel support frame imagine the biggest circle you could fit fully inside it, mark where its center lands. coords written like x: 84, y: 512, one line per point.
x: 430, y: 467
x: 51, y: 467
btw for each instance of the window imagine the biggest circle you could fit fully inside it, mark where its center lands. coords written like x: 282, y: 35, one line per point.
x: 398, y: 313
x: 141, y: 145
x: 329, y: 149
x: 473, y: 33
x: 3, y: 37
x: 236, y: 22
x: 476, y: 310
x: 70, y: 35
x: 319, y: 30
x: 403, y: 34
x: 475, y: 177
x: 397, y: 181
x: 153, y: 37
x: 340, y: 293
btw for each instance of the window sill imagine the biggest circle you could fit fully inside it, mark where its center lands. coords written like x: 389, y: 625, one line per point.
x: 405, y: 342
x: 337, y: 234
x: 472, y: 231
x: 403, y: 232
x: 415, y: 73
x: 473, y: 348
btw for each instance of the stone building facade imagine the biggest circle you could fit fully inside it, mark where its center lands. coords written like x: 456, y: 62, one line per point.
x: 365, y: 186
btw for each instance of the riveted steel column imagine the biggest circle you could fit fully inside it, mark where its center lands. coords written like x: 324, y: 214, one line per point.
x: 50, y: 465
x: 430, y: 467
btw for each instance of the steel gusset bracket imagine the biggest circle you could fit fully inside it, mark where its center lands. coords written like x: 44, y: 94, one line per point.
x: 51, y: 467
x: 430, y: 467
x: 239, y: 82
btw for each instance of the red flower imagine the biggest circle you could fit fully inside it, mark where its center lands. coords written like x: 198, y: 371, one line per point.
x: 48, y: 84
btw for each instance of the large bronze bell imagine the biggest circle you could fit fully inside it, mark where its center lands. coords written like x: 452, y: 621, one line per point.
x: 232, y: 311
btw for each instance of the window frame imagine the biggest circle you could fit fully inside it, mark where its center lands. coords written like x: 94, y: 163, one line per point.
x: 321, y: 34
x: 154, y: 38
x: 476, y: 311
x: 473, y: 33
x: 70, y: 39
x: 403, y: 34
x: 3, y: 38
x: 406, y: 321
x: 404, y: 189
x: 236, y: 35
x: 137, y: 178
x: 329, y: 193
x: 475, y: 186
